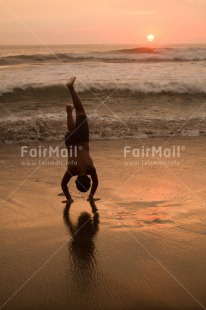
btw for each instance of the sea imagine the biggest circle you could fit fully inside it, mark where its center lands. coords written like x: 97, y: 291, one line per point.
x: 129, y: 91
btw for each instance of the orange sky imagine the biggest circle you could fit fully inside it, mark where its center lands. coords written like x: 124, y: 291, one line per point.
x: 101, y: 21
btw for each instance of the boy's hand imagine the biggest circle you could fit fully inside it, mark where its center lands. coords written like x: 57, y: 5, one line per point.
x: 69, y: 200
x: 91, y: 198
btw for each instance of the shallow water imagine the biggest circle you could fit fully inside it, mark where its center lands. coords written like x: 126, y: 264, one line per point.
x: 128, y: 91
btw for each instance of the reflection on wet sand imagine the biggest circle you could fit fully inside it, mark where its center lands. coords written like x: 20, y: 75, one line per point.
x: 82, y: 251
x: 145, y: 214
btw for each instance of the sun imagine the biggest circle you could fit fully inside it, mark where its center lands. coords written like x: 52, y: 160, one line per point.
x: 150, y: 37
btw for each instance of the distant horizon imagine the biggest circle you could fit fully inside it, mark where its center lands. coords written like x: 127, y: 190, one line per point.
x: 146, y: 44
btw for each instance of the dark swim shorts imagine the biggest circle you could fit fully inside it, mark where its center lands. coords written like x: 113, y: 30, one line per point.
x: 80, y: 133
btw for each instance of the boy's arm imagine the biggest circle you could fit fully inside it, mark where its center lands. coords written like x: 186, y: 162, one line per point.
x: 94, y: 182
x: 66, y: 178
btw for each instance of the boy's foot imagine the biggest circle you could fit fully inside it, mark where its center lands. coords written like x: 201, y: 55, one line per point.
x: 69, y: 108
x: 71, y: 81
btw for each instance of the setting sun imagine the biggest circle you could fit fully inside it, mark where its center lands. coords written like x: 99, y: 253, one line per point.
x: 150, y: 37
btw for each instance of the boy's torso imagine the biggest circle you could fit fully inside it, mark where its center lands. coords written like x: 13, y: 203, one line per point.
x: 79, y: 158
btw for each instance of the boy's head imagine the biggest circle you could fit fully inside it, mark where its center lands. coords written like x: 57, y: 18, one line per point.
x: 83, y: 183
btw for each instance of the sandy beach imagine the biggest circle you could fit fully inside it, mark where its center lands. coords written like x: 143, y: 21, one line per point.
x: 144, y: 249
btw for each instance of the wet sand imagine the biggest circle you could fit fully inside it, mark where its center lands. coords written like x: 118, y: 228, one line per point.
x: 143, y: 249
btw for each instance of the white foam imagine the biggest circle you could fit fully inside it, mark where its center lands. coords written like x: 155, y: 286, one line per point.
x: 50, y: 127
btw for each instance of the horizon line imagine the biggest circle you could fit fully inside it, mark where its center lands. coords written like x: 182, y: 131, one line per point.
x: 146, y: 43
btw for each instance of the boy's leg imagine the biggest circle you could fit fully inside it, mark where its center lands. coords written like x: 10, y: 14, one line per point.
x: 82, y: 129
x: 70, y: 120
x: 76, y: 100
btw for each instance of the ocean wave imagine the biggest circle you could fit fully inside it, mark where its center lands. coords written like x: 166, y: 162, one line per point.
x: 139, y: 50
x: 50, y: 127
x: 140, y: 54
x: 125, y: 89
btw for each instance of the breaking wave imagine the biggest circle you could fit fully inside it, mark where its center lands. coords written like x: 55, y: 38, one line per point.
x: 127, y: 89
x: 51, y: 127
x: 139, y: 54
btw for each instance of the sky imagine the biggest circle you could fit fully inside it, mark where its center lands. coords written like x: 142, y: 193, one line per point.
x: 102, y: 21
